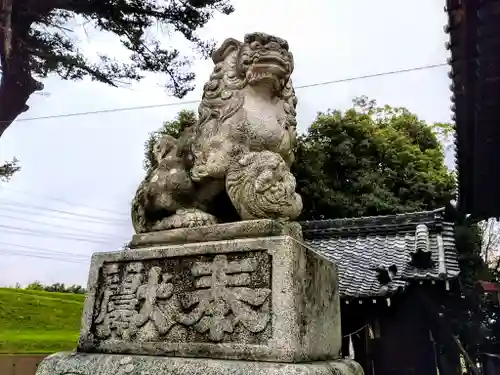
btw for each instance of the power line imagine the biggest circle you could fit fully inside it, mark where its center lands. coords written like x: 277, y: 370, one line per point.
x: 85, y: 220
x: 186, y: 102
x: 425, y: 67
x: 63, y: 200
x: 31, y: 255
x: 24, y: 204
x: 63, y: 253
x: 64, y: 236
x: 123, y: 109
x: 97, y: 234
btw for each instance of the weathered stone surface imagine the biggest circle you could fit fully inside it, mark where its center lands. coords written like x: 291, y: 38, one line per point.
x: 228, y: 231
x: 263, y: 298
x: 238, y: 153
x: 260, y: 185
x: 108, y: 364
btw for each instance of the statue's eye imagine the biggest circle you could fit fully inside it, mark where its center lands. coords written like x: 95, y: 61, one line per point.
x: 255, y: 45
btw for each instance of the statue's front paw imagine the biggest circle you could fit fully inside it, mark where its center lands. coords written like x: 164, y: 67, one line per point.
x: 198, y: 173
x: 186, y: 218
x: 213, y: 170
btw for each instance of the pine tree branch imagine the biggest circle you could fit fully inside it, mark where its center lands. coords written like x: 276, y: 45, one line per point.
x: 16, y: 84
x: 33, y: 43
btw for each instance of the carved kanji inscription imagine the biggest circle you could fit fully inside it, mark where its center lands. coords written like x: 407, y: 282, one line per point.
x: 223, y: 298
x: 219, y: 298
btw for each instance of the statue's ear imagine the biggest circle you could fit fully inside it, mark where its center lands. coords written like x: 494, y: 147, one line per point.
x: 225, y: 49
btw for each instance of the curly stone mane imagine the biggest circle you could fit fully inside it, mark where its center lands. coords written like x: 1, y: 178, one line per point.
x: 261, y: 186
x: 222, y: 97
x: 245, y: 133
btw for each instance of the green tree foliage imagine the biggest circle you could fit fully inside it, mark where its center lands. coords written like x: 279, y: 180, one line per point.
x: 468, y: 308
x: 366, y: 161
x: 8, y: 169
x: 35, y: 285
x: 174, y: 128
x: 36, y: 40
x: 473, y: 315
x: 490, y: 245
x: 371, y: 160
x: 56, y: 287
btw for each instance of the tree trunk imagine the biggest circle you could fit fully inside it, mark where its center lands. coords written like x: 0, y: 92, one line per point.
x: 15, y: 91
x: 16, y: 84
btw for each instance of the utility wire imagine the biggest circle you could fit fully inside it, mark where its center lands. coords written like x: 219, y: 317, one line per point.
x: 102, y: 220
x: 63, y: 200
x: 425, y: 67
x: 30, y: 255
x: 56, y: 252
x: 30, y: 211
x: 24, y: 204
x: 79, y: 231
x: 64, y: 236
x: 186, y: 102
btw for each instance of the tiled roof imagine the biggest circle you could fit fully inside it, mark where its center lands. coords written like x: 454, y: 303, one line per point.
x: 377, y: 256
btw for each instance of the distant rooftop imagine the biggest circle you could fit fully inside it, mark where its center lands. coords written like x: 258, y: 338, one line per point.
x: 377, y: 256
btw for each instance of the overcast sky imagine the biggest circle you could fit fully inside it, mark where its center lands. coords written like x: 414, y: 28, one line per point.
x: 80, y: 173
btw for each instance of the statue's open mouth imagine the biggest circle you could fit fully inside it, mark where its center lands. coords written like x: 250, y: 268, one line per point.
x: 272, y: 63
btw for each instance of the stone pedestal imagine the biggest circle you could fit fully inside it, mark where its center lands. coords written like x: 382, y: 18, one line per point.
x: 115, y: 364
x: 247, y: 295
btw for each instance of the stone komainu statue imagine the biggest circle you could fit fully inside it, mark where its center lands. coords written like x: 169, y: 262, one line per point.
x: 234, y: 163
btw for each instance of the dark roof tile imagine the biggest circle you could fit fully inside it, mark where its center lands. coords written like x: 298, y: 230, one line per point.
x: 364, y: 247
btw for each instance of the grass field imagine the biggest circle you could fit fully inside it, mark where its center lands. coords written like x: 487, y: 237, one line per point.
x: 38, y: 322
